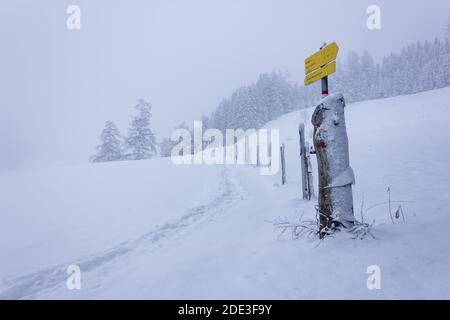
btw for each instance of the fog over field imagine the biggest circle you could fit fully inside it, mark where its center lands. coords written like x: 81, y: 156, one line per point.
x: 58, y: 87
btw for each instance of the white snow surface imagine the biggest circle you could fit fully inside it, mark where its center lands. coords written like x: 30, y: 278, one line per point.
x: 154, y: 230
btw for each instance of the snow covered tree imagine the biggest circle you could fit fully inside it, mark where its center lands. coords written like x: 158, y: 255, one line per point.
x: 166, y: 146
x: 269, y: 97
x: 254, y: 119
x: 141, y: 141
x: 445, y: 65
x: 240, y: 107
x: 368, y: 74
x: 354, y: 80
x: 220, y: 115
x: 447, y: 30
x: 110, y: 147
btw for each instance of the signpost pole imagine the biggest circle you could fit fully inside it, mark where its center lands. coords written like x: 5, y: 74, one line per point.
x: 324, y: 79
x: 324, y: 87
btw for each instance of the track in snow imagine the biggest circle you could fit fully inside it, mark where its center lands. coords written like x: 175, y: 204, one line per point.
x: 31, y: 285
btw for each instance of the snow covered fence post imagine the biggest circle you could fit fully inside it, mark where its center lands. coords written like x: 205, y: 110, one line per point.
x: 309, y: 171
x: 335, y: 174
x: 304, y: 162
x: 283, y: 165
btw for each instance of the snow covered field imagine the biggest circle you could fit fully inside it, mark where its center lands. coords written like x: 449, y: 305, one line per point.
x: 153, y: 230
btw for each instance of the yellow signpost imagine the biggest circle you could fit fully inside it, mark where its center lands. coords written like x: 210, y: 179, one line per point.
x: 320, y: 65
x: 321, y: 58
x: 320, y: 73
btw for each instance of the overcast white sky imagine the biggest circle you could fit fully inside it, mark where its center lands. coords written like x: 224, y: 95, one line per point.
x: 58, y: 87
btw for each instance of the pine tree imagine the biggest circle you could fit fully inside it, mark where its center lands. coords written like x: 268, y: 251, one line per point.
x: 254, y: 119
x: 221, y: 115
x: 368, y: 75
x: 263, y: 93
x: 110, y: 147
x: 353, y: 90
x: 141, y: 141
x: 446, y: 64
x: 447, y: 30
x: 166, y: 146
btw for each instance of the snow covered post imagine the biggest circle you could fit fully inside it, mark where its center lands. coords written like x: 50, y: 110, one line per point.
x: 283, y: 165
x: 304, y: 162
x: 309, y: 171
x: 335, y: 174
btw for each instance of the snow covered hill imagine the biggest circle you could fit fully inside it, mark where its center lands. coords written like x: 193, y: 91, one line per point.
x: 153, y: 230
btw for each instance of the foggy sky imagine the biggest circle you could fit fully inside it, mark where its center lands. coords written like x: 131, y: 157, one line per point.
x: 58, y: 87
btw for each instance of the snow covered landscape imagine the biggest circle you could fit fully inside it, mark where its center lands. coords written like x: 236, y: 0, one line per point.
x: 208, y: 231
x: 224, y: 154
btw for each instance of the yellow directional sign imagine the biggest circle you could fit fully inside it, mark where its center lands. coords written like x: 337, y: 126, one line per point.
x: 319, y: 74
x: 321, y: 58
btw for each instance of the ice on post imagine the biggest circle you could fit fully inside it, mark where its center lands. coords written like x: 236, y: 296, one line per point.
x: 335, y: 174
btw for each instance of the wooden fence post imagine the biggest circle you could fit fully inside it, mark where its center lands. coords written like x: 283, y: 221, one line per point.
x: 309, y: 172
x: 303, y: 161
x: 283, y: 165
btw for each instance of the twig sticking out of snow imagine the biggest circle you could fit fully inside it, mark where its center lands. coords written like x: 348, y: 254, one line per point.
x: 397, y: 214
x: 311, y: 229
x: 303, y: 228
x: 360, y: 230
x: 362, y: 210
x: 390, y: 211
